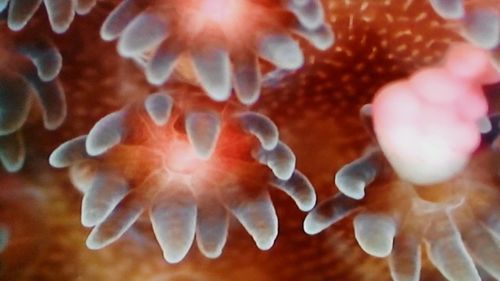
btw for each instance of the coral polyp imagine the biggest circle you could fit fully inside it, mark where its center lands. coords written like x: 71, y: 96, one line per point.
x: 223, y: 39
x: 427, y: 131
x: 457, y: 221
x: 189, y: 167
x: 28, y: 70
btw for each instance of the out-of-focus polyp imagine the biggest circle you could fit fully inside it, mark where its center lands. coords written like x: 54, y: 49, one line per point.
x: 426, y: 125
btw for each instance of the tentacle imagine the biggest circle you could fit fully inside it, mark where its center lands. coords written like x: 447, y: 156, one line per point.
x: 106, y: 134
x: 299, y: 188
x: 69, y: 153
x: 405, y: 259
x: 103, y: 196
x: 212, y: 225
x: 329, y: 212
x: 16, y: 97
x: 203, y: 131
x: 447, y: 251
x: 375, y: 233
x: 173, y: 216
x: 256, y: 213
x: 12, y: 151
x: 353, y: 178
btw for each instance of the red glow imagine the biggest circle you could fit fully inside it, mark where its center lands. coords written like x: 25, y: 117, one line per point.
x: 232, y: 22
x: 180, y: 157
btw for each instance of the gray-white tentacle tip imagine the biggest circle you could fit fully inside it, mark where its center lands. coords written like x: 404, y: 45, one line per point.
x: 265, y: 235
x: 265, y: 242
x: 159, y: 107
x: 256, y: 214
x: 247, y: 78
x: 15, y: 102
x: 52, y: 99
x: 4, y: 238
x: 61, y: 14
x: 353, y: 178
x: 116, y: 223
x: 312, y: 225
x: 329, y: 212
x: 55, y: 107
x: 482, y: 28
x: 212, y: 226
x: 96, y: 242
x: 213, y: 69
x: 322, y: 37
x: 144, y: 33
x: 299, y: 188
x: 162, y: 64
x: 484, y: 125
x: 12, y: 152
x: 44, y: 55
x: 203, y: 130
x: 83, y: 7
x: 102, y: 197
x: 352, y: 187
x: 20, y: 12
x: 281, y: 160
x: 282, y: 51
x: 173, y: 216
x: 261, y: 127
x: 69, y: 153
x: 106, y: 133
x: 449, y: 9
x: 48, y: 65
x: 375, y: 233
x: 310, y: 13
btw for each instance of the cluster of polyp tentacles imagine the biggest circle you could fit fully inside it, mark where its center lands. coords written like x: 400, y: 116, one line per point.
x: 480, y: 26
x: 427, y: 129
x: 29, y: 67
x: 187, y: 166
x: 60, y: 12
x: 224, y: 39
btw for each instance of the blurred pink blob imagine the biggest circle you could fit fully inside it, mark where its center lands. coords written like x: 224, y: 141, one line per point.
x: 427, y: 125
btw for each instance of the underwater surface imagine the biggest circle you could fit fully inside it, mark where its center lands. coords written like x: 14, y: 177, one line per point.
x: 200, y: 140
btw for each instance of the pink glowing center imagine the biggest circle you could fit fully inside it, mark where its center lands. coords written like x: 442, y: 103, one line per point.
x: 224, y: 12
x: 427, y: 125
x: 180, y: 157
